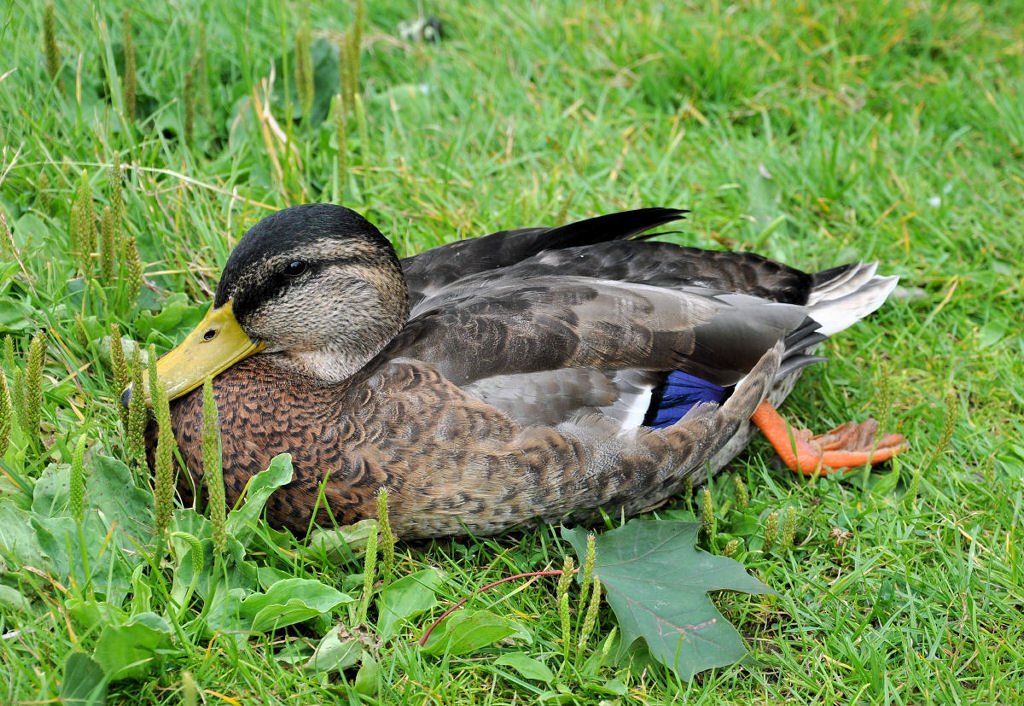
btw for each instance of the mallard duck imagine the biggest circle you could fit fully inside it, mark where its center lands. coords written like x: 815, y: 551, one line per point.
x: 530, y: 374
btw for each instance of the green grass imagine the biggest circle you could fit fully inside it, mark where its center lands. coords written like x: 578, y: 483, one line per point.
x: 815, y: 133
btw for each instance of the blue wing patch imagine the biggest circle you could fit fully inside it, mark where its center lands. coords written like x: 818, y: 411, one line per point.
x: 680, y: 392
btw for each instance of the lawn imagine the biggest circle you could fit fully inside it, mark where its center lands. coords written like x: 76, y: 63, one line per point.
x: 814, y: 133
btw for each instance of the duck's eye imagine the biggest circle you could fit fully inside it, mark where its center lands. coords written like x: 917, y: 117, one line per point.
x: 295, y: 268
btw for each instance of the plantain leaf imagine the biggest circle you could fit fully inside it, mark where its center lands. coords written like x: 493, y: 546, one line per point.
x: 258, y: 490
x: 405, y: 598
x: 133, y: 649
x: 84, y: 682
x: 290, y: 601
x: 468, y: 631
x: 176, y: 313
x: 121, y: 502
x: 527, y: 666
x: 16, y: 316
x: 340, y: 545
x: 338, y: 650
x: 367, y: 681
x: 656, y: 581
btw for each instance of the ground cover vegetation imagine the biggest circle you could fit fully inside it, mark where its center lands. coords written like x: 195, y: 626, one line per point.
x: 137, y: 145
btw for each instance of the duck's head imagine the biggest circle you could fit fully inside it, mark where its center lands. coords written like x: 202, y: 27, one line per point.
x: 316, y: 288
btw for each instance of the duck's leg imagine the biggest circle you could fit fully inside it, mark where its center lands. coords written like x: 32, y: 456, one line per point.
x: 847, y: 446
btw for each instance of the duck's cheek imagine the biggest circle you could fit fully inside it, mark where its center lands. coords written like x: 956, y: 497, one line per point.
x: 286, y: 326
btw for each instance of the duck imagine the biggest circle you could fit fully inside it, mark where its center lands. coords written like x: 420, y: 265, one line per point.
x: 530, y: 375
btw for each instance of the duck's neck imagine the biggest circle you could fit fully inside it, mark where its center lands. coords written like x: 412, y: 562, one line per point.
x: 322, y: 367
x: 356, y: 337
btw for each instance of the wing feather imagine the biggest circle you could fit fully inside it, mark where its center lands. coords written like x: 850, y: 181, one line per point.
x: 548, y: 323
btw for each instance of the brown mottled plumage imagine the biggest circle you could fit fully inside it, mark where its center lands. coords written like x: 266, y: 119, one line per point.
x: 511, y: 382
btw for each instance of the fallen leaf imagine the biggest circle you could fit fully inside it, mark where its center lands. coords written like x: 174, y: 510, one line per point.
x: 656, y: 582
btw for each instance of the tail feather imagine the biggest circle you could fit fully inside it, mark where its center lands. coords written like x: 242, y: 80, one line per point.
x: 843, y: 278
x: 838, y: 303
x: 793, y: 362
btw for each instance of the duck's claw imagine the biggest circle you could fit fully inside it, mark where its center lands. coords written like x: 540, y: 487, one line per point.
x: 847, y: 446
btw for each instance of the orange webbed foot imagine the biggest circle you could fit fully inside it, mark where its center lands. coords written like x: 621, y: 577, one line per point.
x: 847, y: 446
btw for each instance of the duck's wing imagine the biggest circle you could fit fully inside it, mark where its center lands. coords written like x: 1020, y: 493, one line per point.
x: 657, y: 264
x: 434, y: 269
x: 578, y: 343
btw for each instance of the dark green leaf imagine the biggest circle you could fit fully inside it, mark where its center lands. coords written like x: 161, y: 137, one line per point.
x: 132, y: 650
x: 16, y: 316
x: 343, y: 544
x: 112, y: 491
x: 884, y: 483
x: 468, y: 631
x: 993, y: 332
x: 267, y: 576
x: 407, y: 597
x: 259, y: 489
x: 610, y: 687
x: 656, y: 582
x: 17, y: 538
x: 367, y: 678
x: 76, y: 551
x: 290, y: 601
x: 176, y: 313
x: 30, y: 230
x: 89, y: 613
x: 557, y: 697
x: 224, y: 607
x: 50, y: 495
x: 11, y: 599
x: 84, y: 682
x: 338, y: 650
x: 237, y: 571
x: 527, y: 666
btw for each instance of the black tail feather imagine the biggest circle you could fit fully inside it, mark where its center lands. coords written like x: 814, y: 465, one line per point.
x: 825, y: 276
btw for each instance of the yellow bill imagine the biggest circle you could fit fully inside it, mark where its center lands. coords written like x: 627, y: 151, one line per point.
x: 217, y: 343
